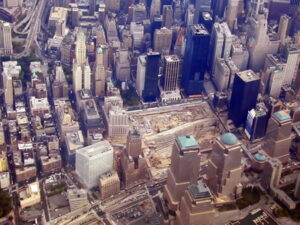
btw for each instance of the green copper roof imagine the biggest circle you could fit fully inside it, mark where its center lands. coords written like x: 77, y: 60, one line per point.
x: 99, y: 50
x: 229, y: 139
x: 282, y: 115
x: 187, y: 142
x: 199, y: 190
x: 259, y: 157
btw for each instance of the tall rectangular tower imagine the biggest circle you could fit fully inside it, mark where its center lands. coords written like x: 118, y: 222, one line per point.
x: 151, y: 91
x: 195, y: 59
x: 6, y: 47
x: 184, y: 170
x: 244, y: 95
x: 224, y: 168
x: 171, y: 72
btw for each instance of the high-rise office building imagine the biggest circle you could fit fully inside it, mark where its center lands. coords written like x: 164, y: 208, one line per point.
x: 291, y: 57
x: 221, y: 75
x: 206, y: 19
x: 220, y: 43
x: 260, y: 43
x: 257, y: 122
x: 184, y: 170
x: 77, y: 198
x: 224, y: 168
x: 92, y: 7
x: 122, y: 65
x: 6, y: 47
x: 155, y: 9
x: 195, y: 59
x: 80, y: 49
x: 196, y: 206
x: 134, y: 144
x: 256, y: 7
x: 99, y: 74
x: 132, y: 160
x: 278, y: 137
x: 283, y: 27
x: 271, y: 173
x: 171, y: 69
x: 244, y: 96
x: 219, y: 7
x: 274, y: 75
x: 109, y: 184
x: 167, y: 16
x: 151, y: 90
x: 12, y: 3
x: 93, y: 161
x: 81, y: 67
x: 201, y: 6
x: 137, y: 31
x: 74, y: 15
x: 141, y: 74
x: 163, y: 40
x: 60, y: 85
x: 113, y: 5
x: 8, y: 90
x: 234, y: 8
x: 139, y: 13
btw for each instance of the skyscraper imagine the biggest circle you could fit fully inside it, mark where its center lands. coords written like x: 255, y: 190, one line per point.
x: 6, y: 47
x: 274, y: 75
x: 80, y: 49
x: 195, y: 59
x: 99, y: 74
x: 201, y: 6
x: 12, y: 3
x: 93, y: 161
x: 92, y: 7
x: 81, y: 67
x: 140, y: 74
x: 167, y: 16
x: 224, y: 168
x: 184, y: 170
x: 233, y: 9
x: 257, y: 121
x: 163, y: 40
x: 244, y: 95
x: 283, y: 26
x: 113, y: 5
x: 132, y: 160
x: 60, y: 85
x: 278, y: 137
x: 171, y: 69
x: 151, y: 91
x: 196, y: 206
x: 155, y: 9
x: 220, y: 43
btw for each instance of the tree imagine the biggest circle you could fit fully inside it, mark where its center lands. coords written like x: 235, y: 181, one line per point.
x: 5, y: 203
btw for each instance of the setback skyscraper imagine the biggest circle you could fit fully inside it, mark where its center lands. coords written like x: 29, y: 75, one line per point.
x: 184, y: 170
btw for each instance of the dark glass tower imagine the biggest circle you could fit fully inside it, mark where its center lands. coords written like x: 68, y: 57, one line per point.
x: 244, y: 95
x: 195, y: 59
x: 151, y: 91
x: 257, y: 122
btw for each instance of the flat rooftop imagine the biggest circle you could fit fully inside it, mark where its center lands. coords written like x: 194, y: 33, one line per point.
x: 248, y: 75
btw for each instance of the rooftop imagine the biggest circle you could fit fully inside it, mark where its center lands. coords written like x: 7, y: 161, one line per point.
x: 229, y: 139
x: 248, y: 75
x: 282, y: 115
x: 187, y: 142
x: 199, y: 190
